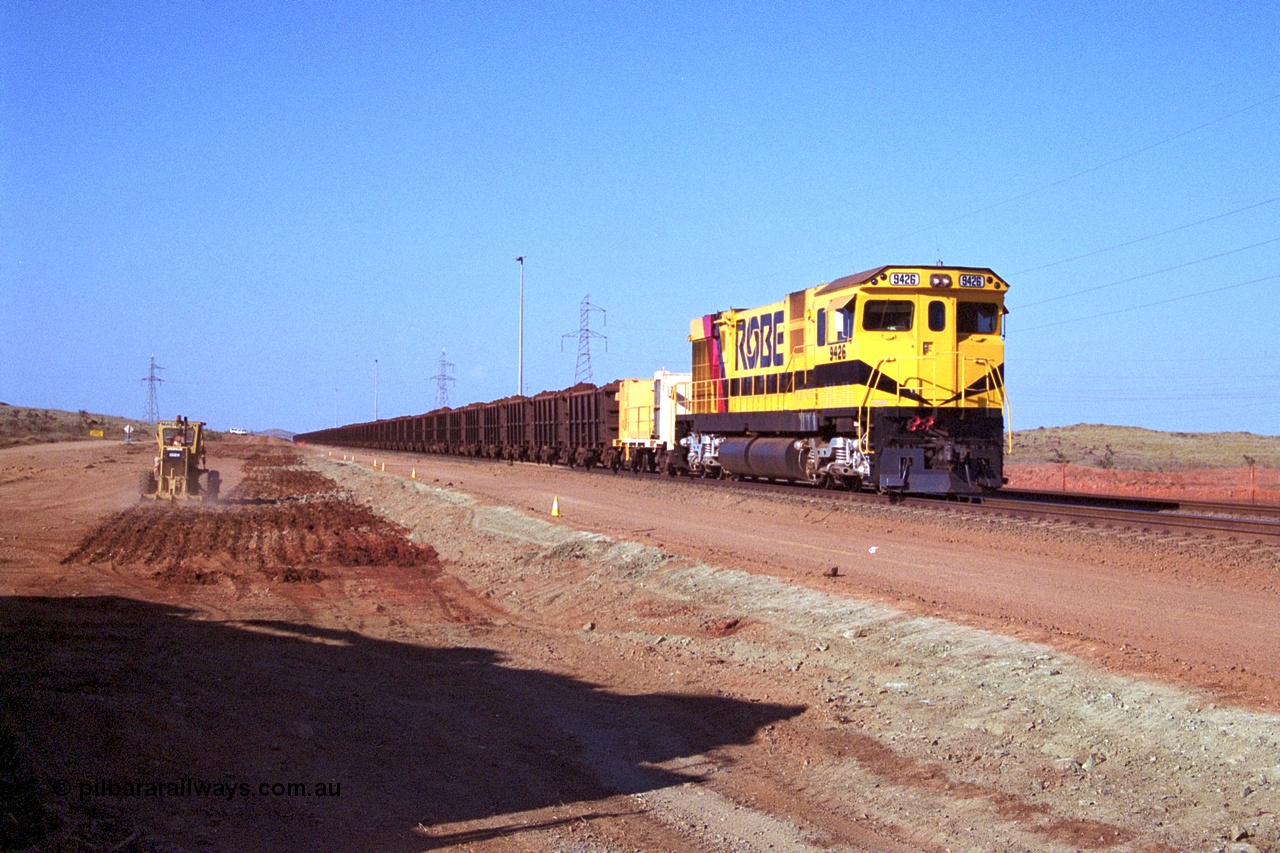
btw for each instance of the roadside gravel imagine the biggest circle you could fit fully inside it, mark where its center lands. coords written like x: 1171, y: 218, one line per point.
x: 923, y: 729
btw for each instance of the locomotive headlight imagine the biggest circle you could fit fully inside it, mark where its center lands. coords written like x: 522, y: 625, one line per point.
x: 940, y: 279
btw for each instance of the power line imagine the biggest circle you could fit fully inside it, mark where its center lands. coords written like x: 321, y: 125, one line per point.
x: 152, y: 379
x: 1109, y: 360
x: 1092, y: 169
x: 582, y: 371
x: 1027, y: 194
x: 1153, y: 304
x: 1115, y: 395
x: 1147, y: 274
x: 1148, y: 237
x: 1210, y: 380
x: 443, y: 379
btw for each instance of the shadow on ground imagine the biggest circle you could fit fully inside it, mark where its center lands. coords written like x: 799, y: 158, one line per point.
x: 105, y: 692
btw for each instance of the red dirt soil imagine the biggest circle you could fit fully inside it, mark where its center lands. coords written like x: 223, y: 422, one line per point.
x: 666, y: 667
x: 290, y: 542
x: 275, y: 474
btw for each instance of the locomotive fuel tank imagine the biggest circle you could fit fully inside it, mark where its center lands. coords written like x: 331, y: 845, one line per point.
x: 772, y: 458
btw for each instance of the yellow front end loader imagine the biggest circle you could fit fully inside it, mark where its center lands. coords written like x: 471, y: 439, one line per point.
x: 179, y: 469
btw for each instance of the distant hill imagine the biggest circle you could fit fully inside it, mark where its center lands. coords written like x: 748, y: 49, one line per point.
x: 1140, y: 449
x: 23, y: 425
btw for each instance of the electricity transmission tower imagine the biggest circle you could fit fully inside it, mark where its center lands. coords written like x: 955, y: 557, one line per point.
x: 152, y: 379
x: 442, y: 382
x: 582, y: 373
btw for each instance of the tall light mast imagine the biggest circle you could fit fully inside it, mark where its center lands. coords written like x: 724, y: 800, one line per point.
x: 520, y: 337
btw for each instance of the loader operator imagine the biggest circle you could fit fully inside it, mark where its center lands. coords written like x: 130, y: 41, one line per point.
x: 179, y: 438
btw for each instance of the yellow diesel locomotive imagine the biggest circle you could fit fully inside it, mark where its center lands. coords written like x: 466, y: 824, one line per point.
x: 891, y: 379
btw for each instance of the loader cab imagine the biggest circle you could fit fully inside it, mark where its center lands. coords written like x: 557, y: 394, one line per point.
x: 177, y: 436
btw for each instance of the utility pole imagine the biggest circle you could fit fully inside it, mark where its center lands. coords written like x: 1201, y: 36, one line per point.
x: 152, y: 379
x: 375, y: 389
x: 582, y: 372
x: 442, y: 382
x: 520, y: 335
x: 335, y: 407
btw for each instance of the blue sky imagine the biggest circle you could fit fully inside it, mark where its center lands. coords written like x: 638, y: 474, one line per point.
x: 269, y: 197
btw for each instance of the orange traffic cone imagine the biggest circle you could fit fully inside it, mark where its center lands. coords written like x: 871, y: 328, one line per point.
x: 555, y: 506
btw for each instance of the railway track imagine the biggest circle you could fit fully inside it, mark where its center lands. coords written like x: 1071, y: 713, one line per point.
x: 1227, y: 508
x: 1194, y: 522
x: 1242, y: 522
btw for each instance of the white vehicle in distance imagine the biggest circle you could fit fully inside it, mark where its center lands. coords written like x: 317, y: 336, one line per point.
x: 238, y: 431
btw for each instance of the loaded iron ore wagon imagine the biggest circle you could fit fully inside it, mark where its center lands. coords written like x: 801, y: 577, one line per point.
x: 625, y: 423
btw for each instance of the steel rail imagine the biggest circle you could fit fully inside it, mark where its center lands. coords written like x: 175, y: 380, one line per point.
x: 1239, y: 509
x: 1144, y: 514
x: 1258, y: 529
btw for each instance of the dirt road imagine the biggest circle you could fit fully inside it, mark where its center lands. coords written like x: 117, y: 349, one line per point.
x: 443, y: 665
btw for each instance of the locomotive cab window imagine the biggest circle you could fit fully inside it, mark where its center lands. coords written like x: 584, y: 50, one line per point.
x: 977, y: 318
x: 842, y: 320
x: 888, y: 315
x: 937, y: 315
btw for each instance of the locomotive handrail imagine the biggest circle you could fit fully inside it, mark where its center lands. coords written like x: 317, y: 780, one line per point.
x: 864, y: 410
x: 998, y: 378
x: 992, y: 379
x: 635, y: 416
